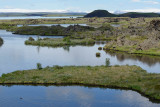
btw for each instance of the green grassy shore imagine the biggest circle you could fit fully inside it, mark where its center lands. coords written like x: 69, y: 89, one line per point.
x: 59, y: 42
x: 125, y: 77
x: 132, y: 50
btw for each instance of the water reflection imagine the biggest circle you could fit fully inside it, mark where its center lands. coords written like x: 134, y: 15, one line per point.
x: 1, y: 44
x: 115, y: 25
x: 66, y: 48
x: 71, y: 96
x: 146, y: 59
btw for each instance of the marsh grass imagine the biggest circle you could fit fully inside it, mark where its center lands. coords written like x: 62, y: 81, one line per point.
x: 127, y: 77
x: 60, y: 42
x: 100, y: 48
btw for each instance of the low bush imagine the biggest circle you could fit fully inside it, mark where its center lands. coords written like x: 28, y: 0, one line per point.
x: 39, y: 66
x: 98, y: 54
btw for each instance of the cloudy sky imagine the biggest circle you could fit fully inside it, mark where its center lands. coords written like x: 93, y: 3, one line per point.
x: 79, y: 5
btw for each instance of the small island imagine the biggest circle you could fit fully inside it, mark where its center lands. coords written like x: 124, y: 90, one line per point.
x: 59, y: 42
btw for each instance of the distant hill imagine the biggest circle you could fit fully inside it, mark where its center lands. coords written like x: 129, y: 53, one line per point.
x: 136, y: 15
x: 100, y: 13
x: 45, y: 14
x: 104, y: 13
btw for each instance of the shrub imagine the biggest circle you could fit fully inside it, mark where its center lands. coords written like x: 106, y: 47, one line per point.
x: 107, y: 62
x: 58, y: 67
x: 100, y: 48
x: 105, y: 27
x: 117, y: 66
x: 39, y: 66
x: 67, y: 39
x: 98, y: 54
x: 31, y: 39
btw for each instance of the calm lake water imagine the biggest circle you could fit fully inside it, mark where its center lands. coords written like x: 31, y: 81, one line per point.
x: 70, y: 96
x: 36, y: 17
x: 14, y: 55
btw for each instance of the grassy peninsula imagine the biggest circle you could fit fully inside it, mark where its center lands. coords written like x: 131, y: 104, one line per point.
x: 125, y: 77
x: 58, y: 42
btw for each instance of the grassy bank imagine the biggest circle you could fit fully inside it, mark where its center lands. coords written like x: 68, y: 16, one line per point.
x: 59, y: 42
x: 126, y: 77
x: 132, y: 50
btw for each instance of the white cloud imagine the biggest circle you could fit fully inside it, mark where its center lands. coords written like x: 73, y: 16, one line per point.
x: 151, y: 10
x: 27, y: 10
x: 39, y: 10
x: 144, y: 10
x: 147, y: 1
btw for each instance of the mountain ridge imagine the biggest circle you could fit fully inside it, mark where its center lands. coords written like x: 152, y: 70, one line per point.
x: 105, y: 13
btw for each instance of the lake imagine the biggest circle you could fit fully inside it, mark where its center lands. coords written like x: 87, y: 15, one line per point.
x: 15, y: 55
x: 70, y: 96
x: 36, y: 17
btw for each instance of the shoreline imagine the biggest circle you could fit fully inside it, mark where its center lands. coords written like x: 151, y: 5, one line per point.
x: 152, y: 99
x: 134, y: 53
x: 122, y: 77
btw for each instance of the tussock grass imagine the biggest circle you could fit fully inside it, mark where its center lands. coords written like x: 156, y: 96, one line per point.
x: 126, y: 77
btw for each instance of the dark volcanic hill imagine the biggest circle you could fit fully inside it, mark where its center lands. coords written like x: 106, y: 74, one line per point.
x: 100, y: 13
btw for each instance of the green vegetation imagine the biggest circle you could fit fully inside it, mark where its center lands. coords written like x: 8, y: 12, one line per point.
x: 46, y: 21
x: 52, y: 31
x: 39, y: 66
x: 125, y: 77
x: 90, y: 21
x: 132, y: 50
x: 60, y: 42
x: 100, y: 48
x: 1, y: 41
x: 8, y: 26
x: 98, y: 54
x: 137, y: 38
x: 76, y: 31
x: 31, y: 39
